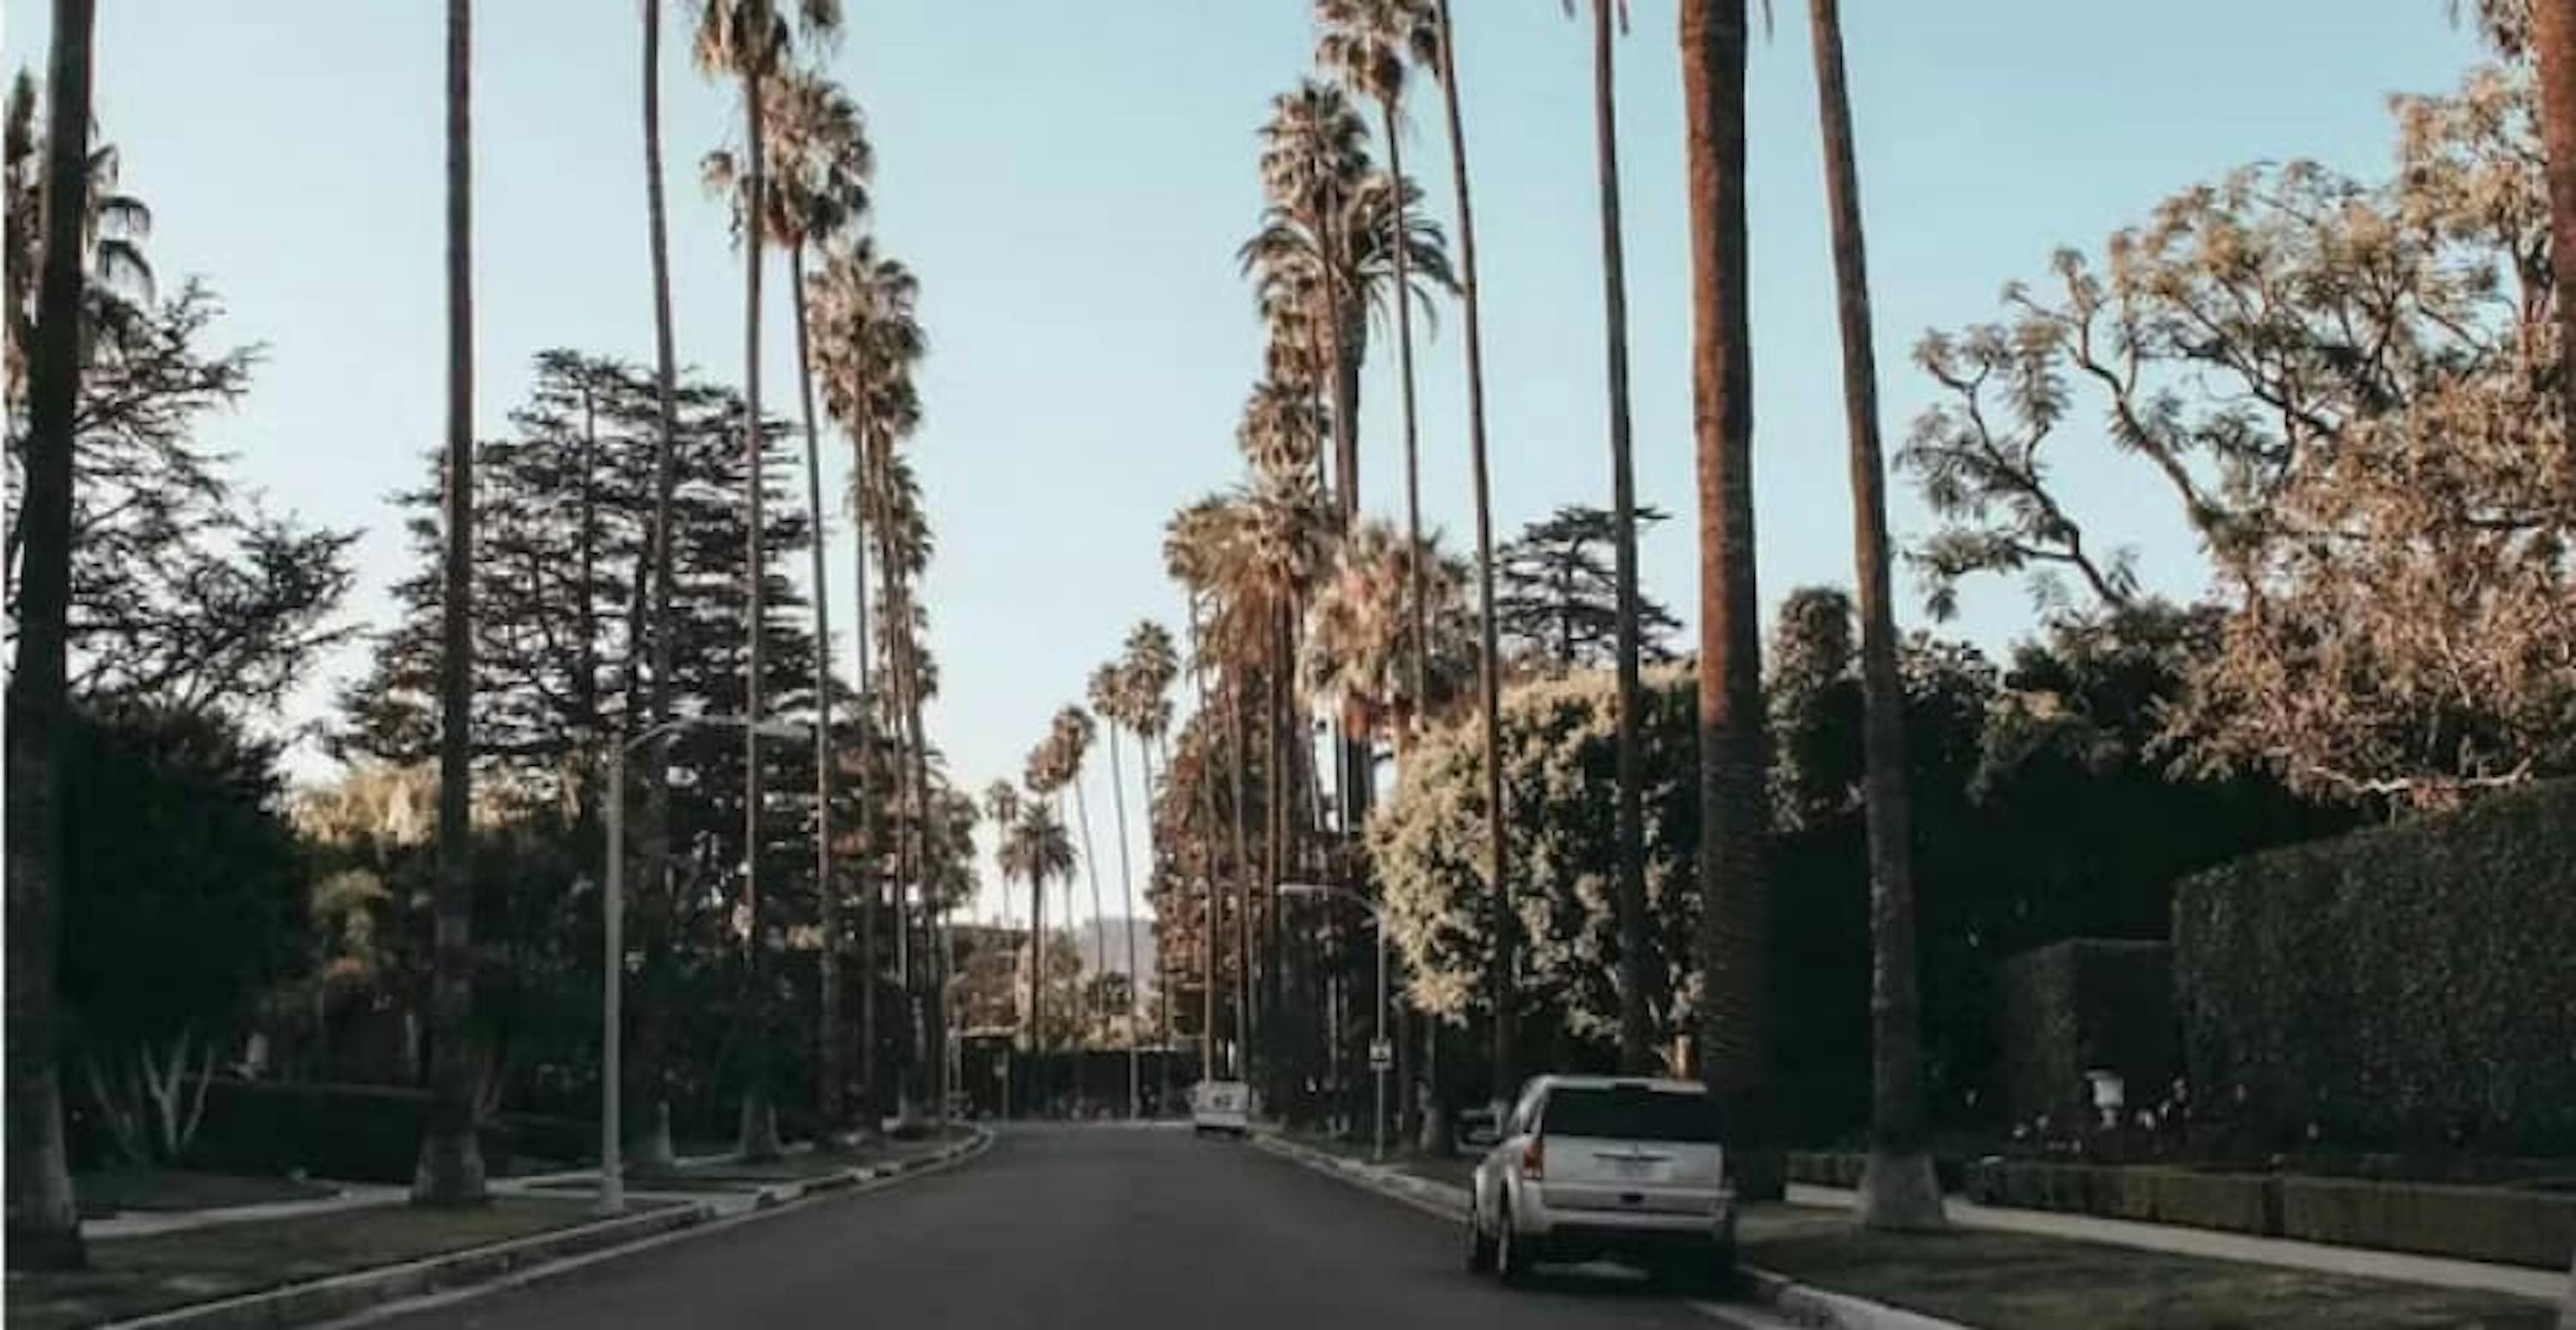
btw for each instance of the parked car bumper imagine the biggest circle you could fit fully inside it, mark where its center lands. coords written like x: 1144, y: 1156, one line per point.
x: 1572, y: 1234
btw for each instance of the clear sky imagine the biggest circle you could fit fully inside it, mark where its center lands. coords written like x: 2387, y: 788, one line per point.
x: 1070, y: 181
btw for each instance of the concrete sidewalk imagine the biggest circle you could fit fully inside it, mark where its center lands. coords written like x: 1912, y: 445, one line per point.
x: 2363, y: 1262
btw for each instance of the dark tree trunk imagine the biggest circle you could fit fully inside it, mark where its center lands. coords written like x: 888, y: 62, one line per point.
x: 651, y: 1067
x: 1734, y: 937
x: 44, y: 1219
x: 1628, y: 900
x: 1489, y: 661
x: 1898, y: 1189
x: 1127, y: 905
x: 451, y: 1163
x: 871, y: 810
x: 1242, y: 874
x: 828, y: 1064
x: 759, y: 1136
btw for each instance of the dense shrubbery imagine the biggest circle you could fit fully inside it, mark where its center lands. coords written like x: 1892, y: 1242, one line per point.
x: 2405, y: 985
x: 2072, y: 1007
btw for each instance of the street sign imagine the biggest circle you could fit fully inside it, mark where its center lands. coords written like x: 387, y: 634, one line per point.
x: 1381, y: 1055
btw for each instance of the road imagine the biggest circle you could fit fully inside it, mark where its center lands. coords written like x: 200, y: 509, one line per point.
x: 1075, y: 1227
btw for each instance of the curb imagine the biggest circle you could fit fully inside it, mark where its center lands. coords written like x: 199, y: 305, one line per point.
x: 361, y: 1297
x: 340, y: 1295
x: 1775, y: 1299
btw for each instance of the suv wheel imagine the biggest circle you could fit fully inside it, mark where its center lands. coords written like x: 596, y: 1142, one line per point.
x: 1512, y: 1256
x: 1480, y: 1245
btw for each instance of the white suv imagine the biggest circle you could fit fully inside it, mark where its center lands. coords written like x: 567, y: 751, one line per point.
x: 1589, y: 1167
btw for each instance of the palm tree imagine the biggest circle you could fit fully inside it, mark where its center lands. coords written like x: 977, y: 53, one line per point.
x: 1359, y: 661
x: 817, y: 189
x: 1628, y: 899
x: 747, y: 40
x: 1898, y: 1189
x: 44, y: 1218
x: 451, y: 1163
x: 1073, y: 729
x: 1034, y: 846
x: 656, y: 640
x: 1113, y: 698
x: 870, y: 339
x: 1146, y: 671
x: 1313, y: 157
x: 903, y: 553
x: 1372, y: 45
x: 117, y: 277
x: 1735, y: 915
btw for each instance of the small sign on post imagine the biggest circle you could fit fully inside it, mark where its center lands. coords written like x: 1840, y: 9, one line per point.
x: 1381, y: 1055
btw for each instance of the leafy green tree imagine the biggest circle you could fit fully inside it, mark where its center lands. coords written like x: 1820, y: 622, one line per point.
x: 1557, y: 603
x: 2335, y: 383
x: 186, y: 901
x: 1560, y: 775
x: 564, y: 567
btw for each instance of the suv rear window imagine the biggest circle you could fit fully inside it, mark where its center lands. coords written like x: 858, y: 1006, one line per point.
x: 1633, y: 1113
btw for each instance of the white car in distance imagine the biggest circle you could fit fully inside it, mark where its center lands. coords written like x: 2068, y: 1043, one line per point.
x: 1221, y: 1106
x: 1606, y: 1167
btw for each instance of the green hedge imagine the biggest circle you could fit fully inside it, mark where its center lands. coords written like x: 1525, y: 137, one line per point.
x: 2078, y: 1005
x: 2236, y: 1202
x: 2517, y: 1227
x: 346, y: 1133
x: 2407, y: 985
x: 2474, y: 1223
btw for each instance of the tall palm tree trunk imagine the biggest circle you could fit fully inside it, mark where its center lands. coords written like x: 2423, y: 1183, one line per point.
x: 1489, y: 662
x: 451, y: 1163
x: 827, y: 1057
x: 656, y: 1150
x: 43, y: 1217
x: 759, y: 1137
x: 2553, y: 39
x: 1629, y: 898
x: 1735, y: 1053
x: 871, y: 810
x: 1242, y: 873
x: 1127, y: 906
x: 1897, y: 1190
x: 1037, y: 993
x: 933, y: 1050
x: 1162, y: 957
x: 1091, y: 870
x: 1209, y: 930
x: 1419, y: 616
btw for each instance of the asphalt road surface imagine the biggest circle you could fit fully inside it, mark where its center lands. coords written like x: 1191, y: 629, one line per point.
x: 1077, y: 1227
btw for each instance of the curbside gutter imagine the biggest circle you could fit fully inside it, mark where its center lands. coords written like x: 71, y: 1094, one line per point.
x: 360, y: 1297
x: 1772, y: 1300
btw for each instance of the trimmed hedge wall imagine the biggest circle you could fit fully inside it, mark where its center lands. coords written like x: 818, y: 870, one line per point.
x: 2508, y: 1225
x: 2236, y: 1202
x: 2409, y: 985
x: 2474, y: 1223
x: 2082, y: 1004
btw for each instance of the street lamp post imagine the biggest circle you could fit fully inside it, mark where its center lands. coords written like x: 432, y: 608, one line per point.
x: 1380, y: 1049
x: 612, y: 988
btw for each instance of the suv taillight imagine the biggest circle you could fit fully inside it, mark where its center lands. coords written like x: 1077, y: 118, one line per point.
x: 1534, y: 1158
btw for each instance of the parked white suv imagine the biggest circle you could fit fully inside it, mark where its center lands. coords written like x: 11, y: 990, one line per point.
x: 1221, y: 1107
x: 1594, y: 1167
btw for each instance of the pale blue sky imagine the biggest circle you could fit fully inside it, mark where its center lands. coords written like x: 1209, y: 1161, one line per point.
x: 1070, y: 181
